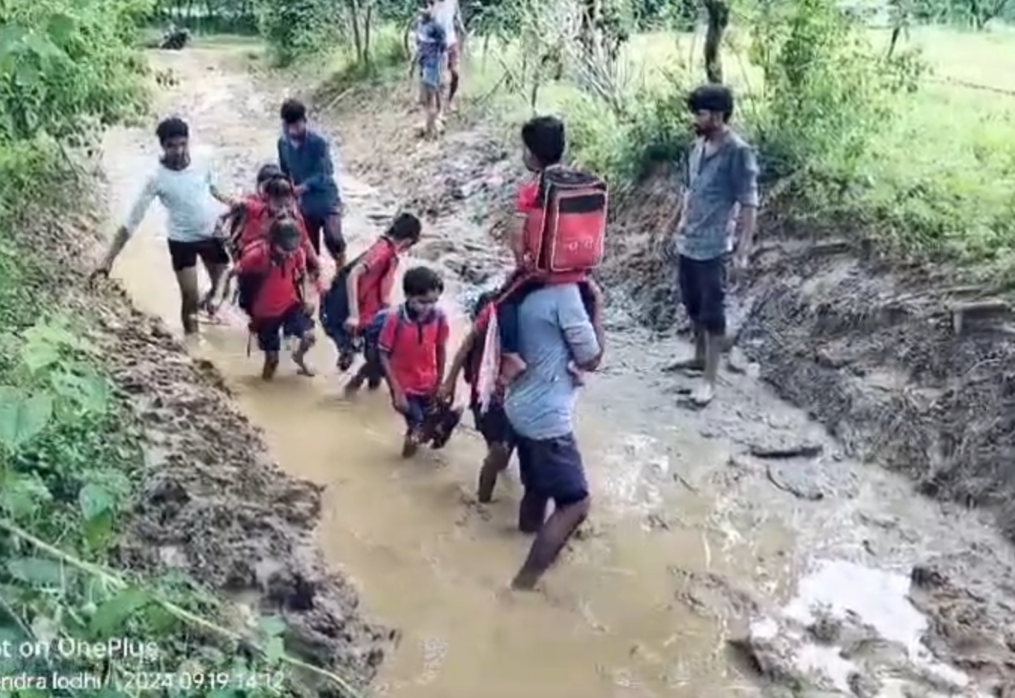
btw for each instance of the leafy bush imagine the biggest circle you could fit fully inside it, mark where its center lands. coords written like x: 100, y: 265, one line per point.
x: 296, y: 29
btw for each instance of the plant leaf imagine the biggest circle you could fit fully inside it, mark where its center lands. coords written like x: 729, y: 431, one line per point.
x: 38, y: 570
x: 22, y: 417
x: 110, y: 616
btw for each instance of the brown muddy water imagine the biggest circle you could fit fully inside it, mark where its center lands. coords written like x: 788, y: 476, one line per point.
x: 694, y: 541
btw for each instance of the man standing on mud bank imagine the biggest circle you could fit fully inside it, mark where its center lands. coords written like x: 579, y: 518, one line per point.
x: 305, y: 158
x: 188, y: 193
x: 720, y: 182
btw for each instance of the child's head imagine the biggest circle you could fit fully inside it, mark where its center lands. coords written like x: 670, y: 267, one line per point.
x: 174, y: 137
x: 278, y: 195
x: 284, y: 235
x: 543, y: 142
x: 266, y: 174
x: 422, y: 287
x: 404, y: 231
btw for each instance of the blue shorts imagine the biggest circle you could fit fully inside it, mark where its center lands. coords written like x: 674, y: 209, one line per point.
x: 294, y: 323
x: 493, y: 425
x: 431, y: 75
x: 416, y: 415
x: 552, y: 469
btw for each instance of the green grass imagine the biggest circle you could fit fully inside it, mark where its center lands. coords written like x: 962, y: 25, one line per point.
x: 939, y: 177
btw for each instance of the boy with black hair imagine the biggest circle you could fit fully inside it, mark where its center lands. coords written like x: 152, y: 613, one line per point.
x: 305, y: 158
x: 251, y: 218
x: 281, y: 305
x: 361, y: 290
x: 720, y: 193
x: 193, y: 206
x: 543, y: 143
x: 413, y: 351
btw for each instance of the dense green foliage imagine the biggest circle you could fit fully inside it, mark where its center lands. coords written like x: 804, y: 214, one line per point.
x: 69, y: 452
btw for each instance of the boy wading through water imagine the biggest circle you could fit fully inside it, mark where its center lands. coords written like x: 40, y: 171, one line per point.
x: 720, y: 181
x: 413, y: 351
x: 304, y: 157
x: 492, y: 423
x: 430, y: 52
x: 193, y: 206
x: 556, y: 335
x: 280, y: 291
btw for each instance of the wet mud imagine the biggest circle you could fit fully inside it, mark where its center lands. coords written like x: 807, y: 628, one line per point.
x: 846, y: 581
x: 208, y: 498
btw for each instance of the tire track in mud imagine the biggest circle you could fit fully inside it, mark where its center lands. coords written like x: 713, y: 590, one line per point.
x: 690, y: 541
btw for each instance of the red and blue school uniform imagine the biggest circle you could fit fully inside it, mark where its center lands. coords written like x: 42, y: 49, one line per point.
x: 277, y: 304
x: 411, y: 345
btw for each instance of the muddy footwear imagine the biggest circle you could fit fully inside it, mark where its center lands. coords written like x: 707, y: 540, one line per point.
x: 345, y: 360
x: 270, y: 366
x: 445, y: 427
x: 411, y: 444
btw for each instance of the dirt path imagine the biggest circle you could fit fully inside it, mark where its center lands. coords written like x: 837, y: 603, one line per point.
x: 693, y: 537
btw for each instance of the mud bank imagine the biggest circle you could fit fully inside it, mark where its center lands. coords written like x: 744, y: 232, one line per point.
x: 210, y: 502
x: 939, y: 577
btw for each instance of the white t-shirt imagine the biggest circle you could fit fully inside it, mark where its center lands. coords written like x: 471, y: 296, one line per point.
x: 191, y: 211
x: 444, y: 12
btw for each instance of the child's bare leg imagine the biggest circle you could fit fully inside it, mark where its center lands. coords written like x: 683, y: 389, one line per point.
x: 497, y: 458
x: 300, y: 355
x: 511, y: 366
x: 354, y: 385
x: 270, y: 365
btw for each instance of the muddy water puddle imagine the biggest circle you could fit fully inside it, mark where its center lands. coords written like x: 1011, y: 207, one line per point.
x: 639, y: 606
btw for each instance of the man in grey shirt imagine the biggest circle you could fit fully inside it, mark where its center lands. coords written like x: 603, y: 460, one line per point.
x: 719, y: 211
x: 554, y: 331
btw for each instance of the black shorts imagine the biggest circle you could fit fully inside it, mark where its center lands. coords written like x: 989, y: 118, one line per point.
x: 552, y: 469
x: 317, y: 229
x: 703, y: 291
x: 212, y: 252
x: 271, y: 331
x: 493, y: 425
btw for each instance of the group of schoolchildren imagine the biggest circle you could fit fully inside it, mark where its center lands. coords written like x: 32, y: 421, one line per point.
x: 278, y: 279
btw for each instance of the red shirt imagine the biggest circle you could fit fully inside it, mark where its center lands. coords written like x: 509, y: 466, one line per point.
x: 257, y: 217
x: 527, y: 199
x: 279, y: 289
x: 373, y: 287
x: 412, y: 349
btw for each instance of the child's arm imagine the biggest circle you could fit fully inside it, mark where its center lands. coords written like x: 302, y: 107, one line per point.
x: 458, y: 363
x: 385, y: 346
x: 443, y: 334
x: 351, y: 287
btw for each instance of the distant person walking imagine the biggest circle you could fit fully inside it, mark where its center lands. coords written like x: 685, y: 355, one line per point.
x: 448, y: 14
x: 720, y: 203
x: 431, y: 49
x: 305, y: 158
x: 193, y: 206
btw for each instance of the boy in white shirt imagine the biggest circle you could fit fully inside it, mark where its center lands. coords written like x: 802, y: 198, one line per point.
x: 193, y: 206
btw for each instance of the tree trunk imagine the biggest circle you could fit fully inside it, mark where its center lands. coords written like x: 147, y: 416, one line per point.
x: 718, y: 13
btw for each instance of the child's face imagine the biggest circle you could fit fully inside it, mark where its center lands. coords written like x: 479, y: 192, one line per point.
x: 277, y: 204
x: 422, y: 306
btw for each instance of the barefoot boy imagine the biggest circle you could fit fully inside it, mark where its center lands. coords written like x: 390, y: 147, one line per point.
x: 281, y: 291
x: 413, y: 351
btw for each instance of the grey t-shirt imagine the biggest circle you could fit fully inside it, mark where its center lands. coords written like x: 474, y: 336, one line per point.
x: 715, y: 181
x: 554, y: 330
